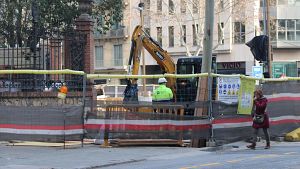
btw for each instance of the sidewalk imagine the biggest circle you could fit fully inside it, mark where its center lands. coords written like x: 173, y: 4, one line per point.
x: 92, y: 156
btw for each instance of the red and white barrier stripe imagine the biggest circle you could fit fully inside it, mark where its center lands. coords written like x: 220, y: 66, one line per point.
x: 41, y: 130
x: 244, y: 122
x: 283, y: 97
x: 140, y: 125
x: 231, y: 123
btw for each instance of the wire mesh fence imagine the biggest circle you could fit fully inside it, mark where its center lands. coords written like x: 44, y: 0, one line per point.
x: 30, y: 109
x: 143, y: 119
x: 38, y: 114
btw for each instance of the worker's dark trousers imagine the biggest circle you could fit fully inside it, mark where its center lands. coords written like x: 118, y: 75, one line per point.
x: 266, y: 132
x: 161, y: 102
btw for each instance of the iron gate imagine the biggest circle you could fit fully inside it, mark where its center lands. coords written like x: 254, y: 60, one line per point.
x: 51, y: 52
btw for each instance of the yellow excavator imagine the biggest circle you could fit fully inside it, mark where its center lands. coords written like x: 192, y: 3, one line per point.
x: 140, y: 39
x: 184, y: 89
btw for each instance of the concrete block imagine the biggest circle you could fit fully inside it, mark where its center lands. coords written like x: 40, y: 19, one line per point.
x: 279, y: 139
x: 211, y: 143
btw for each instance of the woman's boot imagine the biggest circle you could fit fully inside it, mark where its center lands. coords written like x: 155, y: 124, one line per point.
x: 252, y: 146
x: 268, y: 145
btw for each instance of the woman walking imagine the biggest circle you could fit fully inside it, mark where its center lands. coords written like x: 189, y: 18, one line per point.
x: 260, y: 118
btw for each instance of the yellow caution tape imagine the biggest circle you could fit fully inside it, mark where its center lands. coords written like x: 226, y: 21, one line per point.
x: 122, y: 76
x: 105, y: 76
x: 65, y: 71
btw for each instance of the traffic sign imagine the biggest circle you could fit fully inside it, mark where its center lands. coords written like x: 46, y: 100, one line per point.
x: 257, y: 71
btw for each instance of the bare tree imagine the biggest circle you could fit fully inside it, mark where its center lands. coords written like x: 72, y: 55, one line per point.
x: 193, y: 11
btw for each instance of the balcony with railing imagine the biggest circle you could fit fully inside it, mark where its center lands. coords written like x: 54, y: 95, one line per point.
x: 118, y: 33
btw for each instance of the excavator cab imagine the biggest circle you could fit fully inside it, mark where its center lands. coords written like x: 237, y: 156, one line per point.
x: 187, y: 87
x: 186, y: 92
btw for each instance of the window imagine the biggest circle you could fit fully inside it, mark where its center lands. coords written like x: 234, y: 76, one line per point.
x: 99, y: 56
x: 272, y: 2
x: 291, y: 2
x: 171, y: 7
x: 261, y: 26
x: 147, y: 30
x: 282, y: 2
x: 171, y: 36
x: 234, y: 3
x: 159, y: 6
x: 221, y: 5
x: 116, y: 25
x: 288, y: 29
x: 239, y: 32
x: 298, y: 30
x: 183, y: 6
x: 183, y: 34
x: 273, y: 29
x: 261, y: 3
x: 118, y: 55
x: 147, y: 4
x: 221, y: 33
x: 98, y: 30
x: 195, y: 31
x: 195, y: 6
x: 290, y: 26
x: 159, y: 35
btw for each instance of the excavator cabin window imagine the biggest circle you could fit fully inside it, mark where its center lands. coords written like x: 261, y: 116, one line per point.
x: 187, y: 87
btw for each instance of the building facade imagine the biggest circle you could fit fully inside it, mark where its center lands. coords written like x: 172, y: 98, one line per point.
x: 285, y: 34
x: 178, y: 26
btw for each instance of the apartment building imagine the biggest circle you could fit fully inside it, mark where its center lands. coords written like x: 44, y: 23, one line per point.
x: 285, y: 34
x: 178, y: 26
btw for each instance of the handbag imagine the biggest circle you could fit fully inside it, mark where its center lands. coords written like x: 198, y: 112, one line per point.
x: 258, y: 119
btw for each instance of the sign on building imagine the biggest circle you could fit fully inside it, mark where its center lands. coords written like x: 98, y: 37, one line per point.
x: 231, y: 67
x: 228, y: 89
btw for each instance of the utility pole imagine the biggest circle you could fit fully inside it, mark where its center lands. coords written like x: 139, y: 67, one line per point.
x: 208, y: 36
x: 204, y: 93
x: 205, y: 87
x: 269, y: 38
x: 141, y: 8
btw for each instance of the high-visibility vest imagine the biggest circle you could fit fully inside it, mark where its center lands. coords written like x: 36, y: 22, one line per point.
x: 162, y: 93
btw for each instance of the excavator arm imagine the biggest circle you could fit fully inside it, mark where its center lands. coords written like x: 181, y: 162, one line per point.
x: 140, y: 39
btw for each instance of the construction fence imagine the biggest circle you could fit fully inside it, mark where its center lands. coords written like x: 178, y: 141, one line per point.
x: 108, y: 117
x: 31, y: 111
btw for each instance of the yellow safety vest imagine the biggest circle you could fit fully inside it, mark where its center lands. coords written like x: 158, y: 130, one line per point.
x: 162, y: 93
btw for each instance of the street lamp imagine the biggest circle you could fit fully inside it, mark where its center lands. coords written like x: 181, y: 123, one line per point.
x: 35, y: 19
x: 141, y: 9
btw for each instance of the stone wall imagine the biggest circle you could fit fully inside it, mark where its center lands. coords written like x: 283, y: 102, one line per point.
x: 41, y: 99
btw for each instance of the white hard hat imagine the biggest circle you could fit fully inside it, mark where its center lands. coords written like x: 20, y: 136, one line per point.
x: 162, y: 80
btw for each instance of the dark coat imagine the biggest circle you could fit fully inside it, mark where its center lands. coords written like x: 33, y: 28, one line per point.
x: 260, y: 108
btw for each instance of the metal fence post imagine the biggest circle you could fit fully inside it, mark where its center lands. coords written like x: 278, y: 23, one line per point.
x: 64, y: 112
x: 211, y: 141
x: 84, y: 81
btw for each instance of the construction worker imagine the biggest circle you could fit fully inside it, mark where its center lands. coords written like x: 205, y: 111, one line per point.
x: 162, y: 93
